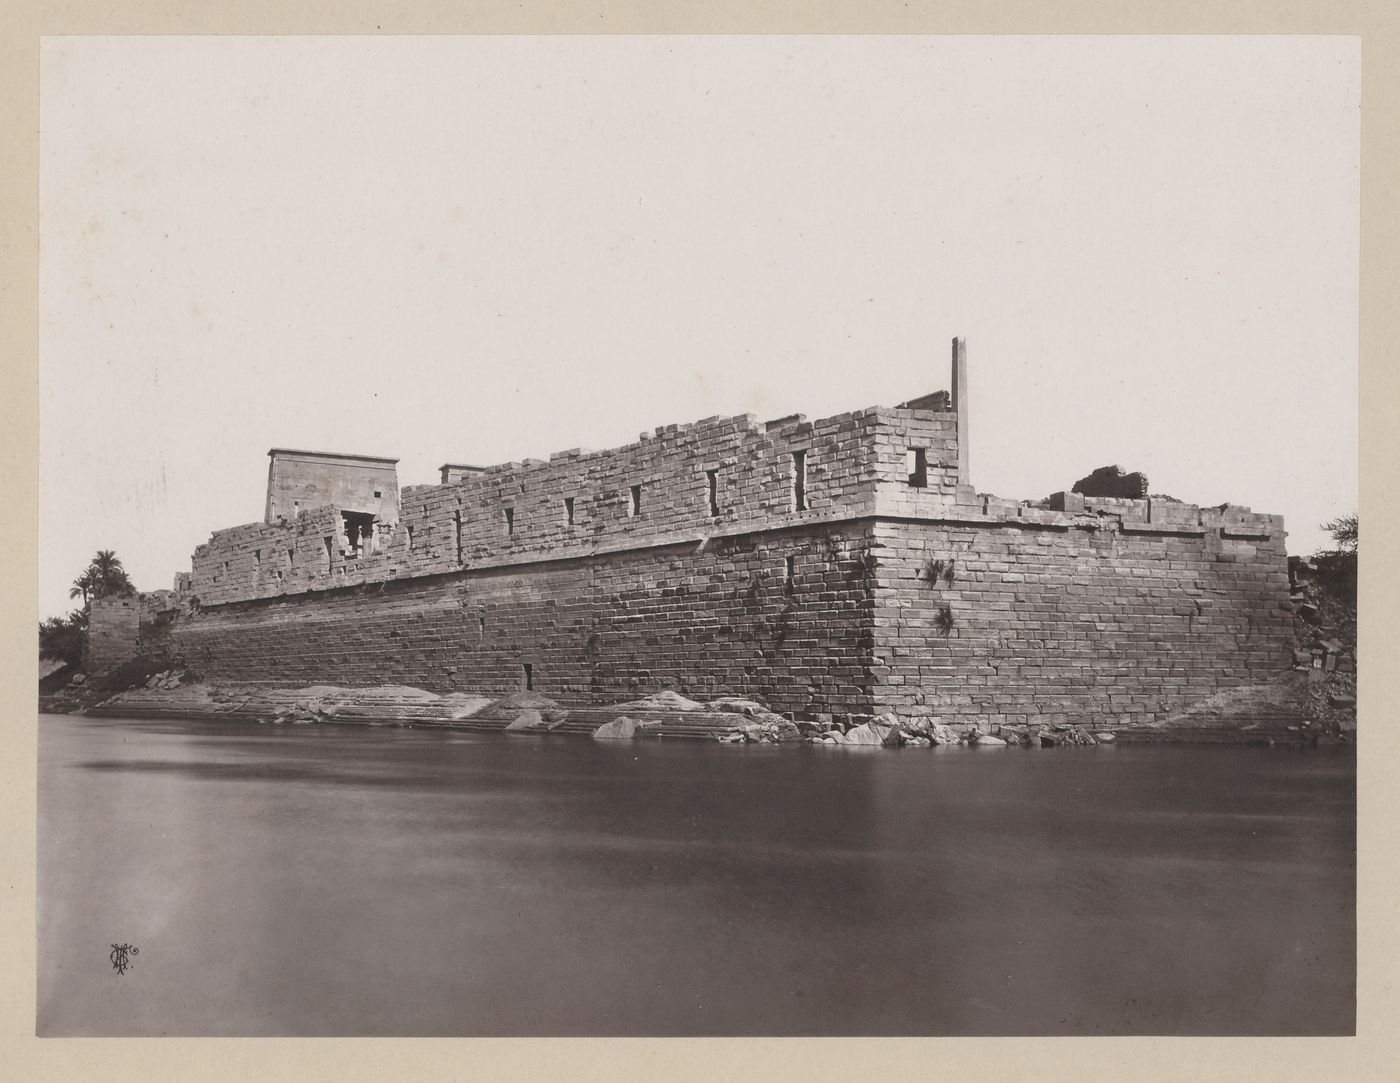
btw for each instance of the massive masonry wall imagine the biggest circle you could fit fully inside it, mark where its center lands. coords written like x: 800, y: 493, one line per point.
x: 1108, y: 616
x: 693, y: 560
x: 1115, y: 612
x: 785, y: 615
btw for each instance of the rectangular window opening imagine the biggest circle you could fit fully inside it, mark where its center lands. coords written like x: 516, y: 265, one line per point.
x: 527, y: 677
x: 789, y: 573
x: 329, y: 541
x: 712, y: 479
x: 636, y: 505
x: 509, y: 520
x: 916, y: 462
x: 799, y: 481
x: 409, y: 531
x: 569, y: 510
x: 457, y: 533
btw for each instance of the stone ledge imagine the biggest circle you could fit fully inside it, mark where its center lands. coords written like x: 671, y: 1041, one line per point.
x: 1184, y: 529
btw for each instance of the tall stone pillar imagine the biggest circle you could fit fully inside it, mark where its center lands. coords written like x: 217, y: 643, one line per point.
x: 959, y: 390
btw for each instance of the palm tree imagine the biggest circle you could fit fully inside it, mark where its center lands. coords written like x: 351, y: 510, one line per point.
x: 84, y: 586
x: 108, y: 575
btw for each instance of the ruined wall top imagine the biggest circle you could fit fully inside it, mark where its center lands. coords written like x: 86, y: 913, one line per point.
x: 677, y: 484
x: 722, y: 475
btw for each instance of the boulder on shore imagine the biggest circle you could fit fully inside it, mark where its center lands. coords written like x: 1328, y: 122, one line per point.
x: 526, y: 720
x: 665, y: 700
x: 917, y: 725
x: 619, y: 729
x: 459, y: 705
x: 775, y: 730
x: 874, y: 732
x: 509, y: 707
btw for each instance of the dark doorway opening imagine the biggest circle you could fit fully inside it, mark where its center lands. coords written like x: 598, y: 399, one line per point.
x: 359, y: 531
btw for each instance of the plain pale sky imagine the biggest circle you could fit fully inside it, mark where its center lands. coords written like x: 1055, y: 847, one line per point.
x: 487, y: 249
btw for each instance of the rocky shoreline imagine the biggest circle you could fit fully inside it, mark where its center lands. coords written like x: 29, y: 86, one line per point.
x: 1268, y: 714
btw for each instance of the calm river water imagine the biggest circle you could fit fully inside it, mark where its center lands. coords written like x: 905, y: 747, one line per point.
x: 308, y: 880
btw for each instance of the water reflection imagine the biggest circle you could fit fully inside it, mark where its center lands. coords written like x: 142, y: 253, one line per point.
x: 336, y: 880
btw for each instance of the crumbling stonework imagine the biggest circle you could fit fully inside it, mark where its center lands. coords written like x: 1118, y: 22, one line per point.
x: 834, y: 569
x: 1112, y: 481
x: 681, y: 483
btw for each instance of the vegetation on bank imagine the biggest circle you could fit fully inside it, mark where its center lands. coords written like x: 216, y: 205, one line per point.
x: 65, y: 638
x: 1337, y: 566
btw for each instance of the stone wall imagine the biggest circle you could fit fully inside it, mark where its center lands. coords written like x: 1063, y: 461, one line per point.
x: 897, y: 436
x: 992, y: 612
x: 113, y: 632
x: 785, y: 615
x: 1098, y: 618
